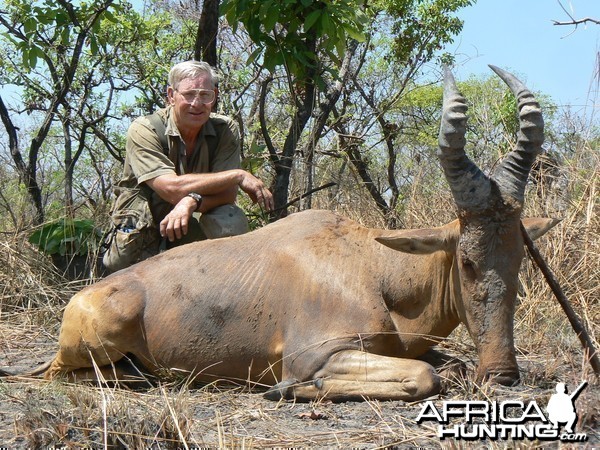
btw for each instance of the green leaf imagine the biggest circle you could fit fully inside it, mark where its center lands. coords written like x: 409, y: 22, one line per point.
x: 265, y: 6
x: 340, y: 46
x: 225, y: 7
x: 311, y: 19
x: 30, y: 55
x: 30, y: 25
x: 272, y: 18
x: 108, y: 15
x: 31, y: 58
x: 256, y: 149
x: 255, y: 54
x: 354, y: 33
x: 94, y: 45
x: 65, y: 36
x: 252, y: 163
x: 272, y: 59
x: 327, y: 24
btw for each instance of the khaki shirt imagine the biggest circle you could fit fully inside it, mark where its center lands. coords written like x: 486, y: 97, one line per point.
x: 217, y: 149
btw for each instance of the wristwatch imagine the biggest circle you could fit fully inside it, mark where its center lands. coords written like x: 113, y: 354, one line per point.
x: 196, y: 197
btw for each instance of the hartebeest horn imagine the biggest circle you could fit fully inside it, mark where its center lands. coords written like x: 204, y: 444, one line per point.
x: 470, y: 186
x: 512, y: 173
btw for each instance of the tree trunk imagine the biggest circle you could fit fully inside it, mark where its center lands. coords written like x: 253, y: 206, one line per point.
x: 205, y: 48
x: 325, y: 109
x: 69, y: 166
x: 27, y: 173
x: 283, y: 161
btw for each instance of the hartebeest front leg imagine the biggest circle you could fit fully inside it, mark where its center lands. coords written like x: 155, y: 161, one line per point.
x: 353, y: 374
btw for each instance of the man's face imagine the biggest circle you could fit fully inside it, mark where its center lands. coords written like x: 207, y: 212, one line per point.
x: 189, y: 103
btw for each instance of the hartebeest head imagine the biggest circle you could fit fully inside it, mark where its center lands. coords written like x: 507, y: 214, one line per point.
x: 490, y: 245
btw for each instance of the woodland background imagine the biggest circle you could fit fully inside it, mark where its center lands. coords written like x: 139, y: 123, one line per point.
x: 324, y: 92
x: 339, y: 104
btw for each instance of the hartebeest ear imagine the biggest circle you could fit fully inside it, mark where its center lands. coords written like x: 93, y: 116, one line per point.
x: 538, y: 226
x: 420, y: 242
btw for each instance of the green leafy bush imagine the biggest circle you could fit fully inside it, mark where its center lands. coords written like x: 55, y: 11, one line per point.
x: 67, y: 237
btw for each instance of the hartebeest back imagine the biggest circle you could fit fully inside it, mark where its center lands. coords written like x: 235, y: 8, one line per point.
x: 315, y: 304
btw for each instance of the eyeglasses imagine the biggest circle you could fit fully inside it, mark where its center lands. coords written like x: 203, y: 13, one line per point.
x: 205, y: 96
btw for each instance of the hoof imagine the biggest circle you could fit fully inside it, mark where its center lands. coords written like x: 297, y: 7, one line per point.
x: 509, y: 379
x: 505, y: 378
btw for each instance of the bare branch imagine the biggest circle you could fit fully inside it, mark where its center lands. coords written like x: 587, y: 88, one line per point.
x: 577, y: 21
x: 573, y: 21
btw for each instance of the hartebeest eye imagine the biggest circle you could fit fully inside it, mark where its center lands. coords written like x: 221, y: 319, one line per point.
x: 468, y: 267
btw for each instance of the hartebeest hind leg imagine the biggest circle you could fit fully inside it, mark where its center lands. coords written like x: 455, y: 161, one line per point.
x: 354, y: 374
x: 101, y: 325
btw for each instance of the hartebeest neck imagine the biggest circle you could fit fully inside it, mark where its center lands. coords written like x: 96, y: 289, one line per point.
x: 422, y: 304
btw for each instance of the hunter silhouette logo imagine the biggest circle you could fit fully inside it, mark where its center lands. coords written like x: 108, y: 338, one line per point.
x: 512, y: 419
x: 561, y: 407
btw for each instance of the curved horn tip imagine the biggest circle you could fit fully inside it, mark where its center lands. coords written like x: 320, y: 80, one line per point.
x: 448, y: 75
x: 495, y: 68
x: 500, y: 72
x: 513, y: 82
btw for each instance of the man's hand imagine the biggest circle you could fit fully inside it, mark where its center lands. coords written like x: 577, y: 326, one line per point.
x: 257, y: 191
x: 175, y: 224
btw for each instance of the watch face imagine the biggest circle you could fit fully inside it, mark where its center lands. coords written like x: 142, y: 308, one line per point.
x: 196, y: 197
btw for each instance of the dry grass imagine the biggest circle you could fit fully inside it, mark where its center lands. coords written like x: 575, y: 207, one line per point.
x: 36, y: 414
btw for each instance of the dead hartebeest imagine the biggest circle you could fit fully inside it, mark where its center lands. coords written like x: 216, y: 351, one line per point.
x: 317, y: 305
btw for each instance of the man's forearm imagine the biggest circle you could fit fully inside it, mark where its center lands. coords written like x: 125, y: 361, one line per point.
x: 220, y: 185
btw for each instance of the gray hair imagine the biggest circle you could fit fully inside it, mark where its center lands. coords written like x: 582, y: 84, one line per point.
x: 191, y: 69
